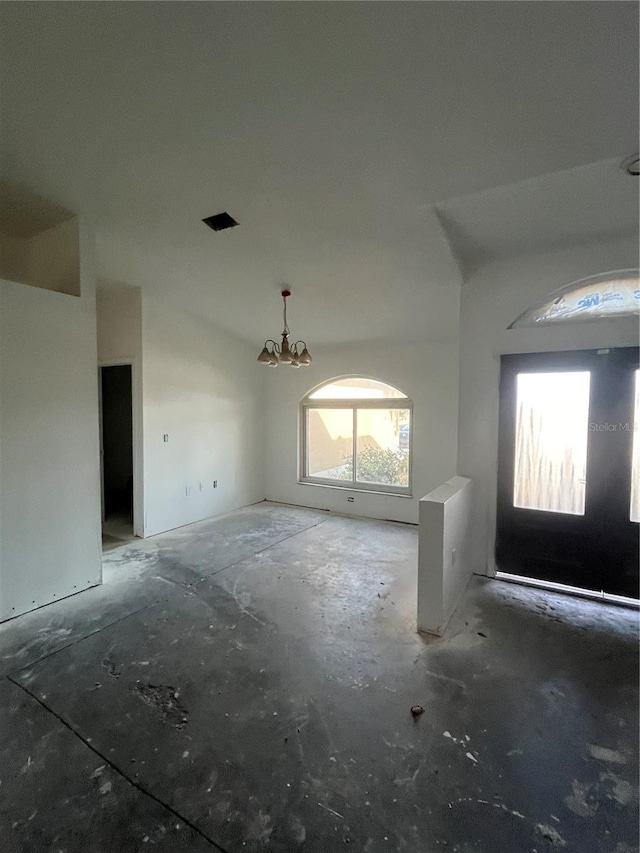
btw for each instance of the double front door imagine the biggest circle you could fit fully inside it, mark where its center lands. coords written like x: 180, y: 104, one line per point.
x: 569, y: 468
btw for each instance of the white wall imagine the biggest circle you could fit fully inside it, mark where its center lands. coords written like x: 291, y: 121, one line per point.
x: 427, y: 373
x: 53, y: 258
x: 49, y: 456
x: 204, y: 390
x: 47, y: 259
x: 456, y: 548
x: 14, y: 255
x: 119, y: 316
x: 444, y: 564
x: 492, y: 298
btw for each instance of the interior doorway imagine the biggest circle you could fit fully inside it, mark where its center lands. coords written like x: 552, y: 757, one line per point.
x: 569, y: 469
x: 116, y: 454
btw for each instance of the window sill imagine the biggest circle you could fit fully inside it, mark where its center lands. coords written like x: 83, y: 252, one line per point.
x: 355, y: 489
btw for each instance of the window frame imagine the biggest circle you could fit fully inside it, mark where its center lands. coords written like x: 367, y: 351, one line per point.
x: 353, y: 403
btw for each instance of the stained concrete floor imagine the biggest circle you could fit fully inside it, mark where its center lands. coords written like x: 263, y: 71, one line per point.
x: 245, y: 684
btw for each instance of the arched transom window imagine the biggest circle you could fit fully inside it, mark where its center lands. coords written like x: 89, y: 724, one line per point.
x: 356, y: 434
x: 609, y: 295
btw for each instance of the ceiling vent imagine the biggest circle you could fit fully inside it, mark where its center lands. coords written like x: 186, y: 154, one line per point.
x: 220, y: 221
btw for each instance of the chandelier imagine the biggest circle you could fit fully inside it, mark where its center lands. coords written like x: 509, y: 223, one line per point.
x: 274, y: 354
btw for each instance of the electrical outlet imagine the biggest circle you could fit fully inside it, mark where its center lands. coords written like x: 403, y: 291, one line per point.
x: 165, y: 437
x: 201, y: 486
x: 351, y: 500
x: 215, y: 484
x: 187, y: 490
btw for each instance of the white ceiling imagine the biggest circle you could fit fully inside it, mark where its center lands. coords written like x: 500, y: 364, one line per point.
x: 339, y: 135
x: 593, y: 202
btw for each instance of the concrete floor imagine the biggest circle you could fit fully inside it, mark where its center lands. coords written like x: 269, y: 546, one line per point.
x: 245, y: 684
x: 117, y: 529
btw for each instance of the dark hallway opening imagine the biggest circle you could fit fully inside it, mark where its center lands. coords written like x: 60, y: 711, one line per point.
x: 117, y: 451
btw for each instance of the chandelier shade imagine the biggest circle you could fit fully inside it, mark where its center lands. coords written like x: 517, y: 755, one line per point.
x: 267, y: 357
x: 296, y: 355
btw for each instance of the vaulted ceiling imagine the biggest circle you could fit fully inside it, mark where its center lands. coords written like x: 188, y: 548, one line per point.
x: 368, y: 150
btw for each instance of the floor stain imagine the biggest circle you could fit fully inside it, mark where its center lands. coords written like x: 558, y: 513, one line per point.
x: 610, y: 756
x: 550, y: 834
x: 165, y: 699
x: 113, y: 670
x: 577, y: 800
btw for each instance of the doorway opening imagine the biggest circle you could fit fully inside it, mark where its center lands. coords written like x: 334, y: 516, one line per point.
x: 116, y: 454
x: 569, y: 469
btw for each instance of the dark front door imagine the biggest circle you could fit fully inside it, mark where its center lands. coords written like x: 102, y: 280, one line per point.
x: 569, y: 468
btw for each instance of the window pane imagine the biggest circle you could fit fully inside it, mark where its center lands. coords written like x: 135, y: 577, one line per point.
x: 551, y: 441
x: 356, y: 388
x: 330, y: 443
x: 635, y: 465
x: 383, y: 446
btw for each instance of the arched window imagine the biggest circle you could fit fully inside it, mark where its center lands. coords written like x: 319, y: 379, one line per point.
x: 611, y: 295
x: 356, y: 434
